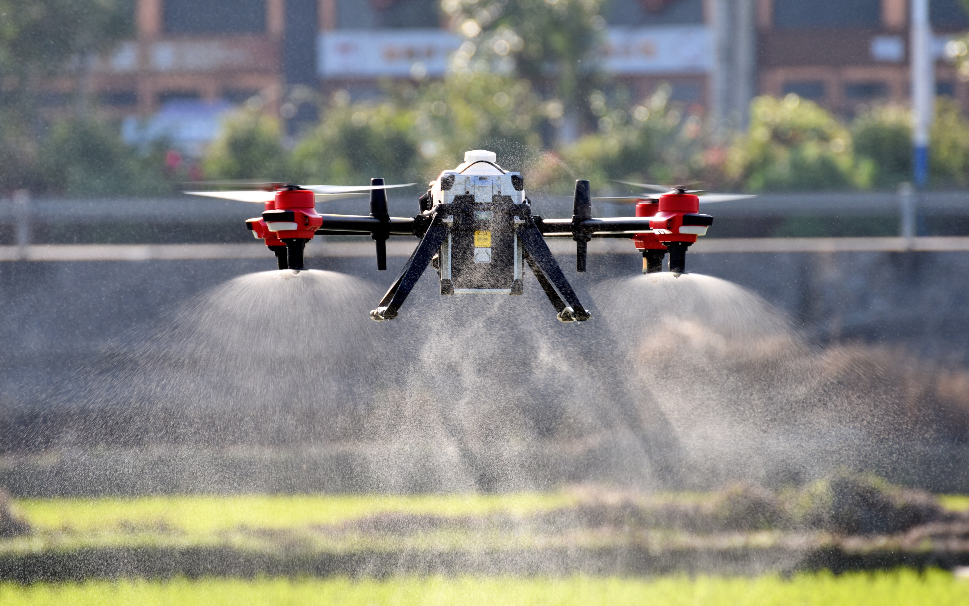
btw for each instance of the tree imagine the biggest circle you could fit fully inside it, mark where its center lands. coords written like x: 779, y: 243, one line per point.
x: 249, y: 147
x: 41, y: 39
x: 553, y: 44
x: 656, y: 142
x: 85, y: 157
x: 793, y: 144
x: 949, y: 145
x: 883, y: 135
x: 357, y: 141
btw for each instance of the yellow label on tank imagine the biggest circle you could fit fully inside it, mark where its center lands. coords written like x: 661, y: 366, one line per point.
x: 482, y: 238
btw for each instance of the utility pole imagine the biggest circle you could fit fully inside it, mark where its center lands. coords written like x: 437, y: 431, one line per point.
x: 733, y: 80
x: 923, y: 88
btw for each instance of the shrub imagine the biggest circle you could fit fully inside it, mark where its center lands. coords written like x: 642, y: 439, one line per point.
x: 949, y: 144
x: 355, y: 142
x: 656, y: 142
x: 793, y: 144
x: 85, y: 157
x: 883, y: 135
x: 848, y: 503
x: 249, y: 147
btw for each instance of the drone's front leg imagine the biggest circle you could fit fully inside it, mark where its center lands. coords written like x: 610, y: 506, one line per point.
x: 415, y: 266
x: 541, y: 257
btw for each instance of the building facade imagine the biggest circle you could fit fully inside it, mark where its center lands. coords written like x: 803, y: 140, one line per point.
x: 842, y: 53
x: 718, y: 53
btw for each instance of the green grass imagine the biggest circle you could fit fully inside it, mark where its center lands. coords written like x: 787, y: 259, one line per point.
x: 211, y: 514
x: 954, y: 502
x: 882, y: 589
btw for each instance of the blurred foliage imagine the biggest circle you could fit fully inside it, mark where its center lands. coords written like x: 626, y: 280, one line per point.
x: 41, y: 37
x: 481, y: 111
x: 357, y: 141
x: 553, y: 44
x: 419, y: 131
x: 949, y: 145
x: 249, y: 147
x: 656, y: 142
x: 794, y: 145
x: 84, y: 157
x: 883, y: 135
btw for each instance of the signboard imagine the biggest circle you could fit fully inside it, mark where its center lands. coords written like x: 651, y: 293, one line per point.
x: 195, y: 55
x: 686, y: 49
x: 377, y: 53
x: 368, y: 54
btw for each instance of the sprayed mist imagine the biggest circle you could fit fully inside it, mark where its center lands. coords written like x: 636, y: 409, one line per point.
x: 748, y: 397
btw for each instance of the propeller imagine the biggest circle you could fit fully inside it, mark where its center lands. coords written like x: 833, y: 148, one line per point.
x: 705, y: 197
x: 260, y: 192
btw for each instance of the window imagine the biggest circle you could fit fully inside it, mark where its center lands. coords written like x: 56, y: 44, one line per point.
x: 806, y: 89
x: 687, y: 92
x: 948, y: 14
x: 798, y: 14
x: 388, y: 14
x: 238, y: 96
x: 118, y: 98
x: 653, y: 12
x: 945, y: 88
x: 178, y: 95
x: 214, y: 16
x: 866, y: 91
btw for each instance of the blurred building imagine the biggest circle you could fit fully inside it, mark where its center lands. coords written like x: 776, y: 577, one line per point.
x: 718, y: 53
x: 842, y: 53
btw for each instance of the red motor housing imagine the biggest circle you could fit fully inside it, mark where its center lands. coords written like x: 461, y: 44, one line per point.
x: 294, y: 215
x: 649, y: 240
x: 668, y: 222
x: 261, y: 231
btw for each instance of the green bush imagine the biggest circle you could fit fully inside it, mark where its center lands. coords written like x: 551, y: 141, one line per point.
x: 949, y: 145
x: 883, y: 136
x: 853, y: 503
x: 478, y: 111
x: 655, y: 142
x: 793, y: 144
x: 85, y: 157
x: 249, y: 147
x: 355, y: 142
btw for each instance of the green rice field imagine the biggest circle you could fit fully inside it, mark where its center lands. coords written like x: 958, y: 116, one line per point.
x: 904, y: 587
x: 207, y: 514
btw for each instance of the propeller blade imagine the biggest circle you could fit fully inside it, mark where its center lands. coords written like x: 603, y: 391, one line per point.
x: 260, y: 184
x: 255, y: 196
x: 659, y: 188
x: 629, y: 197
x: 345, y: 189
x: 711, y: 198
x: 331, y: 197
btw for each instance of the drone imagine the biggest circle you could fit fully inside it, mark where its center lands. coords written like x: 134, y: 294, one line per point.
x: 477, y: 230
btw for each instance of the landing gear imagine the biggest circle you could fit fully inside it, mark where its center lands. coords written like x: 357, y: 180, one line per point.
x: 294, y: 253
x: 678, y: 256
x: 282, y: 261
x: 653, y: 260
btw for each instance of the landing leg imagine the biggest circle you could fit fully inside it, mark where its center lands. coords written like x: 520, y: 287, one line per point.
x: 541, y: 257
x: 678, y: 256
x: 294, y: 251
x: 281, y: 257
x: 415, y: 266
x: 653, y: 260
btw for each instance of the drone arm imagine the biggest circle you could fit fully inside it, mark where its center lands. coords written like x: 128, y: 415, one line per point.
x: 363, y: 224
x: 540, y: 258
x: 597, y: 228
x: 415, y: 266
